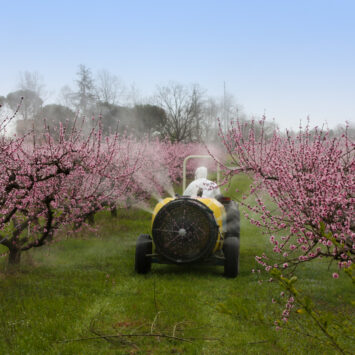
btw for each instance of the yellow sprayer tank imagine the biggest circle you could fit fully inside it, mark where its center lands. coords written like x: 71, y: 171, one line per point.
x: 188, y: 229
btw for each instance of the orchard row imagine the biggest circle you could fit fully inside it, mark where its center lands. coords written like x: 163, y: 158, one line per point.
x: 47, y: 183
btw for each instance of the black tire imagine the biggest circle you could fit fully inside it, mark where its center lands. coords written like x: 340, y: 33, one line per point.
x: 143, y: 262
x: 231, y: 255
x: 233, y: 219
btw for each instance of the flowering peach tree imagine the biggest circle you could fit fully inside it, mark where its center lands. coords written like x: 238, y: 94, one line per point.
x: 161, y: 167
x: 49, y: 180
x: 310, y: 180
x: 304, y: 189
x: 49, y: 183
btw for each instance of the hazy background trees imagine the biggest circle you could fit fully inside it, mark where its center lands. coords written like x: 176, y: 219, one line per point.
x: 109, y: 88
x: 51, y: 116
x: 32, y: 81
x: 176, y: 111
x: 84, y: 97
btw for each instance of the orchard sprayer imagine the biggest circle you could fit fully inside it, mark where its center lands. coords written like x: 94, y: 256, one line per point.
x: 192, y: 230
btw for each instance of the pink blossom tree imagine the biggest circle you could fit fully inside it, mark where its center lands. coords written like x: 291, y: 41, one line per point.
x: 160, y: 167
x: 310, y: 183
x: 304, y: 189
x: 48, y: 184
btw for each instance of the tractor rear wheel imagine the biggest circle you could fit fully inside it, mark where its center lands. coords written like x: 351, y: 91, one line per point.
x: 233, y: 219
x: 143, y: 248
x: 231, y: 255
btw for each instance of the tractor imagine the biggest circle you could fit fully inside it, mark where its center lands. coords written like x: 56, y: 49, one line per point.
x: 192, y: 230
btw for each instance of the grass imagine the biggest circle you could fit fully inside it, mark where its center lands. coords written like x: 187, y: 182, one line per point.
x: 86, y: 287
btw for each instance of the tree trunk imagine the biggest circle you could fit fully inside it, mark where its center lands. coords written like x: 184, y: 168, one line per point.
x: 77, y: 225
x: 91, y: 218
x: 14, y: 256
x: 114, y: 211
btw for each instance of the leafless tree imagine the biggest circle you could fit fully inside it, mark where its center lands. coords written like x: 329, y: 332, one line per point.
x: 211, y: 113
x: 197, y: 103
x: 230, y: 110
x: 220, y: 111
x: 109, y: 88
x: 183, y: 107
x: 66, y: 97
x: 341, y: 128
x: 133, y: 96
x: 32, y: 81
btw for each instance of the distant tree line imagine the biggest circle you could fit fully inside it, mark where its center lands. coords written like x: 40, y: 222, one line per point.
x: 180, y: 113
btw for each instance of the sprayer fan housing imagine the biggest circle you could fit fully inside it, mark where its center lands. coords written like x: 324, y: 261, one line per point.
x: 184, y: 231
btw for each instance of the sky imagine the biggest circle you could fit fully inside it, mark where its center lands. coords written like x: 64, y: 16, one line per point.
x: 286, y: 59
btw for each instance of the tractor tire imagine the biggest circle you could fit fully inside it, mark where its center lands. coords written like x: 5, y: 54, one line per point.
x: 231, y: 255
x: 143, y: 262
x: 233, y: 219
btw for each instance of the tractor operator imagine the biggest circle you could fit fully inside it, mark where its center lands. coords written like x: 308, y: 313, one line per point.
x: 208, y: 188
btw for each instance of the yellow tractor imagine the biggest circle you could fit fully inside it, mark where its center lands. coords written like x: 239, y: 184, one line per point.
x: 188, y: 230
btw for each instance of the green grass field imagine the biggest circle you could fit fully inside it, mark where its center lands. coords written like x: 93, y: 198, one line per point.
x: 65, y: 298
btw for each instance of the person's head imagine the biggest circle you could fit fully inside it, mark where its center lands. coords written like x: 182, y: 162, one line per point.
x: 201, y: 173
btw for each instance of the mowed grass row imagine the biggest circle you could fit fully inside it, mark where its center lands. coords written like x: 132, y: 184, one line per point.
x: 64, y: 298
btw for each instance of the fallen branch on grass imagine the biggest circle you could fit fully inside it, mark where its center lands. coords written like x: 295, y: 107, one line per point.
x: 107, y: 336
x: 112, y: 340
x: 257, y: 342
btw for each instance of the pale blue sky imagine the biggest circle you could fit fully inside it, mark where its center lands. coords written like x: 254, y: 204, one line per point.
x: 287, y: 58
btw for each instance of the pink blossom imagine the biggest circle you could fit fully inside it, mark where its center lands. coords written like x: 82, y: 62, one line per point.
x: 51, y: 181
x: 309, y: 177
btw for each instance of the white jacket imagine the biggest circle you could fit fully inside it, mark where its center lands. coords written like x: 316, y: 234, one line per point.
x: 210, y: 189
